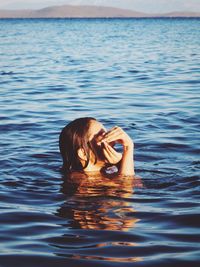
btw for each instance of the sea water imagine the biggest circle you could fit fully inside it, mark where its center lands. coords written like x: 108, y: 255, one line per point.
x: 140, y: 74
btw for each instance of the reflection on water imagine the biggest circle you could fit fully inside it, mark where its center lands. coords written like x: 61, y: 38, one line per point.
x: 140, y: 74
x: 100, y: 202
x: 109, y: 259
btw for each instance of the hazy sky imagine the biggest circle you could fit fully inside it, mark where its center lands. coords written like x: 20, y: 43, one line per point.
x: 138, y: 5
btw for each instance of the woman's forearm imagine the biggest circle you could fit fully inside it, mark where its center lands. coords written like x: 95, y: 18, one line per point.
x: 127, y: 161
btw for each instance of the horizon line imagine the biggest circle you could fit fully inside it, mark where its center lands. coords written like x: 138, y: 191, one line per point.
x: 119, y: 8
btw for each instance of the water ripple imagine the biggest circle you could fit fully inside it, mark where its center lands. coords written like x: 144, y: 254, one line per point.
x: 142, y: 75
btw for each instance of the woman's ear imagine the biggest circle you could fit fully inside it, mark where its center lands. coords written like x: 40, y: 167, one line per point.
x: 81, y: 154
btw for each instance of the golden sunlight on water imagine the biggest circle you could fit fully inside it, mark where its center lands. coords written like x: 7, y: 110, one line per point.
x: 110, y: 211
x: 110, y: 259
x: 140, y: 74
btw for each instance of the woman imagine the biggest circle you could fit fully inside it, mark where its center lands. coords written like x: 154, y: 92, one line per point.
x: 87, y: 147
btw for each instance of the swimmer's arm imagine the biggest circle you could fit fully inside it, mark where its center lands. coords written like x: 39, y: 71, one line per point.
x: 127, y: 162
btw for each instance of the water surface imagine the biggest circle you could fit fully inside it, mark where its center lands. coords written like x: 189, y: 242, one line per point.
x: 140, y: 74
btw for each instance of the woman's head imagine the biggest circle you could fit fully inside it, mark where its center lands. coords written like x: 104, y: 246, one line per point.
x: 77, y: 143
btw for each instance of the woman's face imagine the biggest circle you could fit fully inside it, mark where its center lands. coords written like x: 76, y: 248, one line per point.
x: 96, y: 132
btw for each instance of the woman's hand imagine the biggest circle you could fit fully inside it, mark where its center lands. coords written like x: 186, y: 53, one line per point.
x: 118, y: 135
x: 111, y: 155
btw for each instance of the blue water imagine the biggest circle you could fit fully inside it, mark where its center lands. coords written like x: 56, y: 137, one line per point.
x: 140, y: 74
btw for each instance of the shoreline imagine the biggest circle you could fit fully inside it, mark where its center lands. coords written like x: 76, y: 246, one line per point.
x: 103, y: 18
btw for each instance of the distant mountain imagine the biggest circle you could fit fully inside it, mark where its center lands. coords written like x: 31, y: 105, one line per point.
x: 69, y: 11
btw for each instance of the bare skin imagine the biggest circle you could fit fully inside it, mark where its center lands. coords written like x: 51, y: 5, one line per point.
x: 104, y: 142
